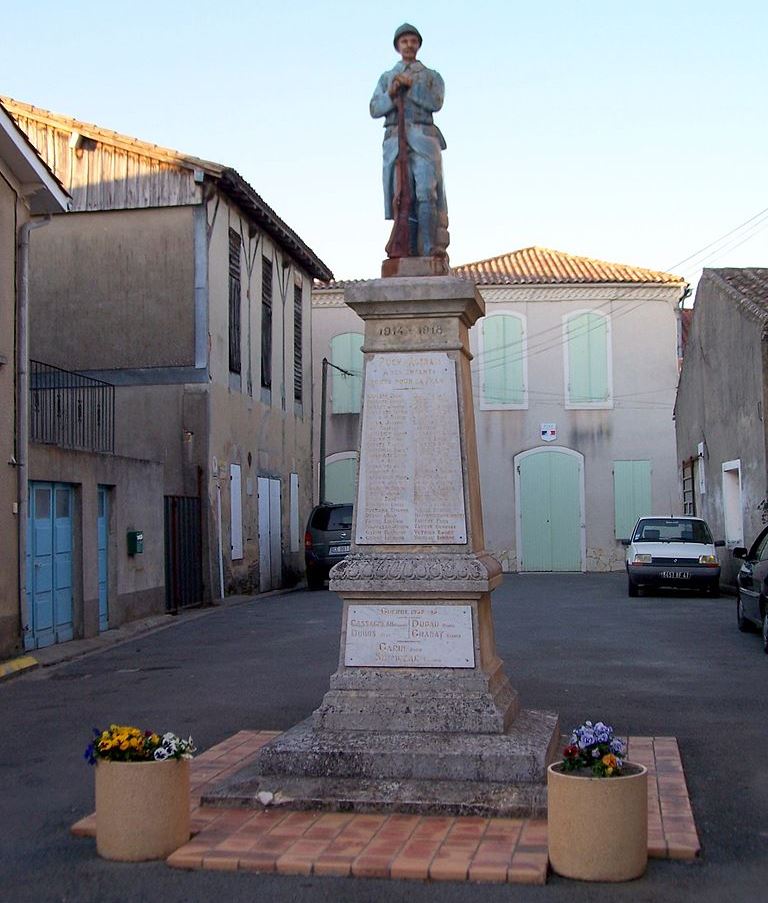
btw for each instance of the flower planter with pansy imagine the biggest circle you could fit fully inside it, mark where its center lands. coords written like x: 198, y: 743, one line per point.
x: 142, y: 792
x: 597, y: 808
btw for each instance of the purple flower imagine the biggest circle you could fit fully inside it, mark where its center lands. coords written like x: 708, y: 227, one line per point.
x: 595, y: 753
x: 617, y: 746
x: 586, y: 739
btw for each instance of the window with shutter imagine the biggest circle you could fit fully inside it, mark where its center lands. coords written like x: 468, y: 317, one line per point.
x: 266, y: 323
x: 503, y: 362
x: 235, y: 243
x: 631, y: 494
x: 298, y: 338
x: 346, y: 388
x: 588, y: 370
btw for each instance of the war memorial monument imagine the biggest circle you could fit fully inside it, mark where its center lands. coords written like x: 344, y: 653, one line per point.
x: 420, y: 715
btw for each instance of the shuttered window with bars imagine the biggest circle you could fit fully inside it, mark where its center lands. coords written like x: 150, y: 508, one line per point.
x: 235, y: 243
x: 689, y: 488
x: 266, y: 323
x: 298, y: 338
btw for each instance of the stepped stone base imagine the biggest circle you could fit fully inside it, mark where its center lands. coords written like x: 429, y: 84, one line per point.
x: 368, y: 771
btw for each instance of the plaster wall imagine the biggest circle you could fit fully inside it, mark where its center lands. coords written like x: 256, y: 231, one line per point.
x: 638, y: 426
x: 136, y: 583
x: 264, y: 430
x: 114, y: 289
x: 721, y: 403
x: 12, y: 215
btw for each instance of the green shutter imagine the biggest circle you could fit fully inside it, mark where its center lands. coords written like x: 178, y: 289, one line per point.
x: 346, y: 390
x: 631, y: 494
x: 340, y: 481
x: 587, y: 359
x: 502, y: 360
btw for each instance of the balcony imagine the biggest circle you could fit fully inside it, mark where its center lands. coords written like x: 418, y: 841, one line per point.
x: 70, y: 410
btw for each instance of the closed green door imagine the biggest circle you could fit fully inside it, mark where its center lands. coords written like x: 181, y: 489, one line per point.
x: 550, y: 511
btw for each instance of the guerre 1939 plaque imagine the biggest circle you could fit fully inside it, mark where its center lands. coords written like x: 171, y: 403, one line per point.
x: 409, y: 636
x: 410, y: 488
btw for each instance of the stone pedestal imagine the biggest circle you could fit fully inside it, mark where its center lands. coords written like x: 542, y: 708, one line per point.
x: 420, y: 715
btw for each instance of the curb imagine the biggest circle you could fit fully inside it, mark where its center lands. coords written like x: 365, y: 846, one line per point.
x: 16, y: 666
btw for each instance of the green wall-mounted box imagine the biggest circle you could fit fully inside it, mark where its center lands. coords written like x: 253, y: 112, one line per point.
x: 135, y: 542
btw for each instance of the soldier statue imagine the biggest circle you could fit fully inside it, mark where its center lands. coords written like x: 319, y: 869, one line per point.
x: 414, y: 192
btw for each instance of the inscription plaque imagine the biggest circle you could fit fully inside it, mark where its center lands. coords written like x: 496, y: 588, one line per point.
x: 409, y: 636
x: 410, y: 487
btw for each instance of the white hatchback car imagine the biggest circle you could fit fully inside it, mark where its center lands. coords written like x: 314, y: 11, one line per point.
x: 672, y: 551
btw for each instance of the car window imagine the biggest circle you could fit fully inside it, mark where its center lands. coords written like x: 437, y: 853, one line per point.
x: 671, y: 529
x: 759, y: 551
x: 338, y: 518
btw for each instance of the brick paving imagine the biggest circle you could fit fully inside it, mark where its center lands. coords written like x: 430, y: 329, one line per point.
x: 437, y: 848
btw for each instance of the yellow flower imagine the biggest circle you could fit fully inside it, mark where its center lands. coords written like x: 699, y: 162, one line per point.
x: 154, y: 739
x: 124, y: 745
x: 609, y: 760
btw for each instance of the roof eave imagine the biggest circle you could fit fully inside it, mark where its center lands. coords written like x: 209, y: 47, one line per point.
x: 235, y: 186
x: 41, y: 189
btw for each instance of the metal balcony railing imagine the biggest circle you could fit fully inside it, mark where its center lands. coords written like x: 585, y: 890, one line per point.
x: 70, y: 410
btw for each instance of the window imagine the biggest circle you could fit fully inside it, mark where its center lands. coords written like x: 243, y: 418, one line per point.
x: 298, y: 337
x: 631, y: 494
x: 340, y: 471
x: 346, y: 387
x: 734, y: 528
x: 502, y: 362
x: 266, y: 323
x: 689, y: 490
x: 234, y: 301
x: 588, y: 362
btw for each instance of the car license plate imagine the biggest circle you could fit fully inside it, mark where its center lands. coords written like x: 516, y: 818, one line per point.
x: 339, y: 550
x: 675, y: 575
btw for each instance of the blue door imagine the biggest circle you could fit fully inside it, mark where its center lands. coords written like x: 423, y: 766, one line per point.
x: 103, y: 547
x: 49, y: 565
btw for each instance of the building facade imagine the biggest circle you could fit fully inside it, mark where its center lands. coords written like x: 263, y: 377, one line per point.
x: 173, y: 281
x: 720, y: 408
x: 574, y: 375
x: 28, y: 189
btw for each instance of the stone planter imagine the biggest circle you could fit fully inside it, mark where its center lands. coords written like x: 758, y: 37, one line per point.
x: 598, y: 827
x: 142, y: 808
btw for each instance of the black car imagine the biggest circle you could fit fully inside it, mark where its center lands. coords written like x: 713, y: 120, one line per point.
x: 326, y: 541
x: 752, y: 582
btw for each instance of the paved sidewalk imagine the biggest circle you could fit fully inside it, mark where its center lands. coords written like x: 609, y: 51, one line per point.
x: 438, y: 848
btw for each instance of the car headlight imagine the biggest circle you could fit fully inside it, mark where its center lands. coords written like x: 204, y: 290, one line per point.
x: 642, y: 559
x: 711, y: 560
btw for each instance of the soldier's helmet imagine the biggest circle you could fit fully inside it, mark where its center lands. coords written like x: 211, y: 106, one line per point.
x: 405, y: 28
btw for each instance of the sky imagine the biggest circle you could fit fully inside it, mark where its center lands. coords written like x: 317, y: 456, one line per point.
x: 630, y: 132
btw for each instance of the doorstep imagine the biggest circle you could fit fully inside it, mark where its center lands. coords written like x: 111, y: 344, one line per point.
x: 439, y: 848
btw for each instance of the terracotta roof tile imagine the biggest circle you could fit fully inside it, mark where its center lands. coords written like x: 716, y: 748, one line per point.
x: 747, y: 285
x: 544, y: 266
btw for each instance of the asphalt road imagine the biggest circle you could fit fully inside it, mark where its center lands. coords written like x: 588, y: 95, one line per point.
x: 663, y: 665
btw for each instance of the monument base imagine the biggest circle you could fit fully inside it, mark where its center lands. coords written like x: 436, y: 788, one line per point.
x: 370, y: 771
x: 415, y: 266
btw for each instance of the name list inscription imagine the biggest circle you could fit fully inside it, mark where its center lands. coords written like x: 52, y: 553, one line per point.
x: 409, y: 636
x: 410, y: 488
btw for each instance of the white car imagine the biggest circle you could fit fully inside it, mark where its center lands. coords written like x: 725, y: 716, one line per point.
x: 672, y: 551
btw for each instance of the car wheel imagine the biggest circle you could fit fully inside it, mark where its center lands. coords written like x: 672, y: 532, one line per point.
x: 742, y: 623
x: 632, y: 588
x: 765, y: 631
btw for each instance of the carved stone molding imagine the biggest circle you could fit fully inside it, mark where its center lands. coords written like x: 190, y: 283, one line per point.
x: 419, y: 568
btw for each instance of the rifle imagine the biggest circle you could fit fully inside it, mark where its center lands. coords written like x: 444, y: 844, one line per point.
x: 399, y: 244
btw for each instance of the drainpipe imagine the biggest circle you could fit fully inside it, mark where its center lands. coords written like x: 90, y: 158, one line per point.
x: 22, y: 412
